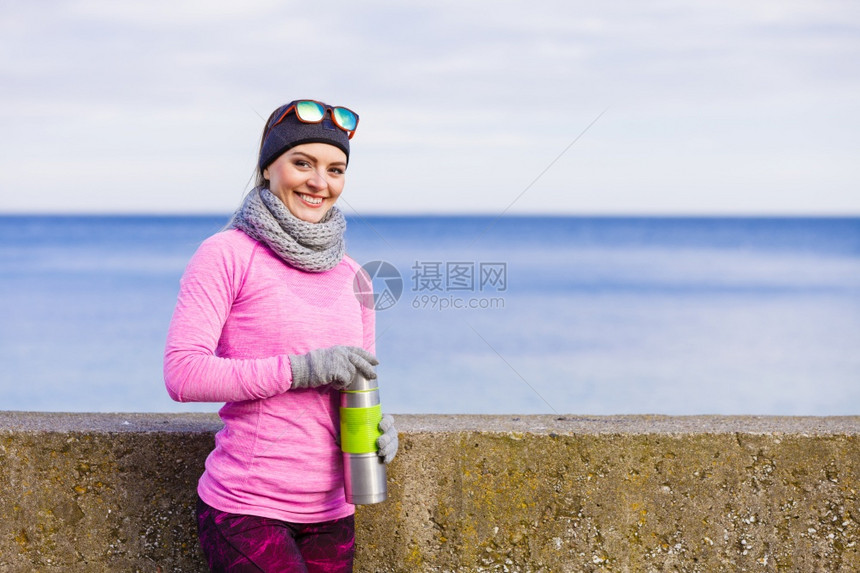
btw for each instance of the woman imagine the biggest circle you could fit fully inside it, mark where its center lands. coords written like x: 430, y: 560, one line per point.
x: 267, y: 321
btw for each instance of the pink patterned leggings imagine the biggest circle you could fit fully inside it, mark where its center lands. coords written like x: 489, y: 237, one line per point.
x: 244, y: 543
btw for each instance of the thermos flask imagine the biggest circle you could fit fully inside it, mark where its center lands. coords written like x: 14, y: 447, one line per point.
x: 364, y: 470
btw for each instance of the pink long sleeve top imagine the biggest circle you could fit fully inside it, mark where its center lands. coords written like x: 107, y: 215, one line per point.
x: 240, y: 312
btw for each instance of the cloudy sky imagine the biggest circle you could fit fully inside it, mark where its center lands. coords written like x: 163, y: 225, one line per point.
x: 664, y: 107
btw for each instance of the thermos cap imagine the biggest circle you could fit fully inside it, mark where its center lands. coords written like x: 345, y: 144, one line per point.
x: 360, y: 383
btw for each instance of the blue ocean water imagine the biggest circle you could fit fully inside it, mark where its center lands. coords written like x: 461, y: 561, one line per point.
x: 562, y: 315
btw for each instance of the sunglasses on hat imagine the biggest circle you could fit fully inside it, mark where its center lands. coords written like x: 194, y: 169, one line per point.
x: 310, y: 111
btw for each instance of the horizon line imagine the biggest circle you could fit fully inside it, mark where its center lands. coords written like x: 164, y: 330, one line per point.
x: 438, y: 214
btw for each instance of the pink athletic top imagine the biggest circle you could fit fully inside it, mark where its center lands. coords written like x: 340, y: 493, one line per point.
x: 241, y: 311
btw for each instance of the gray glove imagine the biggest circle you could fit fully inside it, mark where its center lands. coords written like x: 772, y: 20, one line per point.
x: 335, y: 365
x: 387, y: 442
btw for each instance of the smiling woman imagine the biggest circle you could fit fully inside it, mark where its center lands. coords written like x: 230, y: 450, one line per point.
x: 267, y: 322
x: 308, y: 179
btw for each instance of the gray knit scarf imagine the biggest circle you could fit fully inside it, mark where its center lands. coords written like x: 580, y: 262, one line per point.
x: 312, y: 247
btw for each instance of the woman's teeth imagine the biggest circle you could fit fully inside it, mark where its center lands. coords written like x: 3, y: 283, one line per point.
x: 311, y: 200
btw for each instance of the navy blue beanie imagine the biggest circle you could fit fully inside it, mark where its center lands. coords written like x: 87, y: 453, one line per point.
x: 291, y: 132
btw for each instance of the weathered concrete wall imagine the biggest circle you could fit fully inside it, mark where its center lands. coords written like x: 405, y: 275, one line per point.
x: 467, y: 493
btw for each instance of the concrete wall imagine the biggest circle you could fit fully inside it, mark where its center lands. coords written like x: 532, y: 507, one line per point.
x: 84, y: 492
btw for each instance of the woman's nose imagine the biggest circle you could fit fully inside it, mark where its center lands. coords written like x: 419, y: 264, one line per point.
x: 317, y: 181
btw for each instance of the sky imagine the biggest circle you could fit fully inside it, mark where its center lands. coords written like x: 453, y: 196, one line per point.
x: 715, y: 107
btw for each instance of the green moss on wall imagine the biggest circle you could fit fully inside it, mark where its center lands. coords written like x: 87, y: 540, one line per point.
x: 467, y: 493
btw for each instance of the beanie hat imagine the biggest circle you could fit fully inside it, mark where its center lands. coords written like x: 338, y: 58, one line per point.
x: 291, y: 132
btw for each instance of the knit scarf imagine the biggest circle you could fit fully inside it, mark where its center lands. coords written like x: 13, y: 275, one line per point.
x: 312, y: 247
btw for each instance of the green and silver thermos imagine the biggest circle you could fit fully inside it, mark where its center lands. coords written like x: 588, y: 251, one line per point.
x: 364, y: 470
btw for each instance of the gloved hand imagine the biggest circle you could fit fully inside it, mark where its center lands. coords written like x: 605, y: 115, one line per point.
x: 387, y: 442
x: 335, y: 365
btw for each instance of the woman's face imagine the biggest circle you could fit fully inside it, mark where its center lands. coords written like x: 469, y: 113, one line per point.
x: 308, y: 179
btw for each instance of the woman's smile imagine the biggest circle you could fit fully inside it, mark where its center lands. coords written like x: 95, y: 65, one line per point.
x: 311, y: 200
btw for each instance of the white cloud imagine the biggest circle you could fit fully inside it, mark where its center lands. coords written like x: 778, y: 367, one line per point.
x: 713, y: 106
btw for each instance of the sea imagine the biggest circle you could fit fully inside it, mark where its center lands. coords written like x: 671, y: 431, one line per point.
x: 511, y: 315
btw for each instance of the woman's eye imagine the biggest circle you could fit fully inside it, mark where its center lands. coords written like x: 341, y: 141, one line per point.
x: 336, y: 171
x: 302, y: 163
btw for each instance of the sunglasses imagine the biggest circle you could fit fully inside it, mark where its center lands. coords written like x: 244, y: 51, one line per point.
x: 310, y: 111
